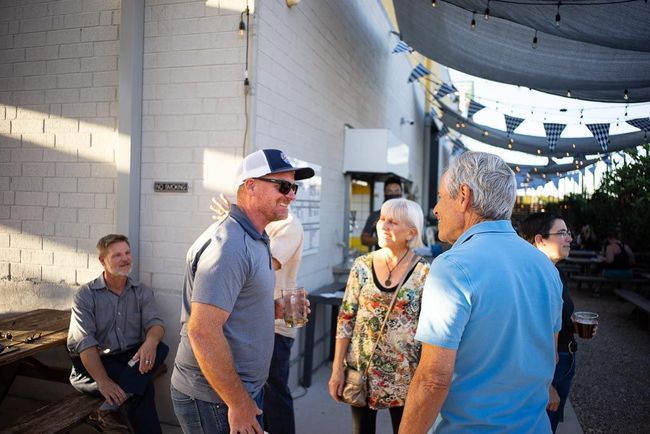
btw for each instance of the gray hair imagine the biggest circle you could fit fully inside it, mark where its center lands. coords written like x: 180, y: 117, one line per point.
x: 409, y: 212
x: 491, y: 180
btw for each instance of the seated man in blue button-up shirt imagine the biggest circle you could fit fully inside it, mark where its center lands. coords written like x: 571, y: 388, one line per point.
x: 115, y: 341
x: 491, y: 311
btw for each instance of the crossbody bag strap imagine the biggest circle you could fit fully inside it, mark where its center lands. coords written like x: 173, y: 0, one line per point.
x: 413, y: 262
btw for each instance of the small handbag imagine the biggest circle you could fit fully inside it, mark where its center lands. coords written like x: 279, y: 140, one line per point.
x: 355, y: 389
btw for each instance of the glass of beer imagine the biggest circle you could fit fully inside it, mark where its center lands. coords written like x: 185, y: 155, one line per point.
x: 294, y: 302
x: 585, y: 322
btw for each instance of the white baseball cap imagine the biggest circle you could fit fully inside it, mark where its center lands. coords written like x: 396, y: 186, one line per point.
x: 267, y: 161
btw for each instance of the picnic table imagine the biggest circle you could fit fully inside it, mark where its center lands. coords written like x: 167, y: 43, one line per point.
x: 25, y: 335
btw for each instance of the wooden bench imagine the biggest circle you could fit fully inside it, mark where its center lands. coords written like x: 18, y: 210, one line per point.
x: 61, y: 416
x: 598, y: 282
x: 641, y: 306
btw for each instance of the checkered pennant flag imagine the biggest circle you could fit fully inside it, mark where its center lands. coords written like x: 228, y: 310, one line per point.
x: 512, y: 123
x: 474, y: 107
x: 418, y: 72
x: 443, y: 131
x: 553, y: 133
x: 556, y: 182
x: 445, y: 89
x: 457, y: 149
x: 601, y: 133
x: 642, y: 124
x: 402, y: 47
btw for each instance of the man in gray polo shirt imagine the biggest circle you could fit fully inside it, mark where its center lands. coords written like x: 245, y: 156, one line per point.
x: 228, y: 310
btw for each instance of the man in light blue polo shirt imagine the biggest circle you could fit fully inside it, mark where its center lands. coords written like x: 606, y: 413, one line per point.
x: 491, y: 310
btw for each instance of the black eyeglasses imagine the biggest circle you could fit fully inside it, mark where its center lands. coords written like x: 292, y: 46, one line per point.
x: 284, y: 187
x: 564, y: 234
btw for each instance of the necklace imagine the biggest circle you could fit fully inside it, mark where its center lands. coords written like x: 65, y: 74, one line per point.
x: 389, y: 282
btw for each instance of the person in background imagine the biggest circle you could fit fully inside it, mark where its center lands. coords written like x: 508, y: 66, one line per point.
x: 373, y: 280
x: 617, y: 257
x: 115, y: 344
x: 287, y: 238
x: 392, y: 190
x: 491, y: 311
x: 550, y: 235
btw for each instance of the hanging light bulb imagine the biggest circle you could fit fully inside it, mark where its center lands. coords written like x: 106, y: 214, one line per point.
x: 557, y: 16
x: 626, y: 95
x: 539, y: 151
x: 486, y: 14
x: 567, y: 154
x: 433, y: 3
x: 534, y: 45
x: 473, y: 23
x: 242, y: 24
x: 568, y: 94
x: 574, y: 145
x: 486, y: 133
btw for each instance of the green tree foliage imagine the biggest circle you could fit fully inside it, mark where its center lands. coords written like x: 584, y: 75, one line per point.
x: 622, y: 201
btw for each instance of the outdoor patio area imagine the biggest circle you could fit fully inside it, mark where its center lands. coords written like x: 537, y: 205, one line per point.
x: 610, y: 392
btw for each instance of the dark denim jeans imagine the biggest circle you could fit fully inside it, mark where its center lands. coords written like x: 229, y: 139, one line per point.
x: 564, y: 372
x: 202, y: 417
x: 141, y: 408
x: 278, y: 403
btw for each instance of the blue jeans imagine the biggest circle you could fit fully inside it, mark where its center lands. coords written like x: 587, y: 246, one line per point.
x: 202, y: 417
x: 564, y: 372
x: 141, y: 408
x: 278, y: 403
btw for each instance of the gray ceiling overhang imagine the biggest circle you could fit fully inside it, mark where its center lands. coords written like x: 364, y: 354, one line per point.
x: 531, y: 144
x: 596, y: 52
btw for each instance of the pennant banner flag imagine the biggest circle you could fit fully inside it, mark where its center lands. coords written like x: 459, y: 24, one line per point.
x: 642, y: 124
x: 474, y: 107
x: 402, y: 47
x: 553, y: 133
x: 445, y: 89
x: 443, y: 131
x: 601, y: 133
x: 418, y: 72
x: 592, y: 169
x: 458, y: 148
x: 556, y: 182
x: 512, y: 123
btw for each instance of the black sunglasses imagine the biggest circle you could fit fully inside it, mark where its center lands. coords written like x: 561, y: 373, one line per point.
x: 284, y: 187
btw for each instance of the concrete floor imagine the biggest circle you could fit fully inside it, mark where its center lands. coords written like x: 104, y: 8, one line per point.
x: 316, y: 412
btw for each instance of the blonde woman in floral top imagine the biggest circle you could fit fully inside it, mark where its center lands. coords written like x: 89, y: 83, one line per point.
x: 373, y: 281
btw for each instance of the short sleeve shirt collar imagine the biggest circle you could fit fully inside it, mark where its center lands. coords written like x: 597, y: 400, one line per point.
x: 243, y: 220
x: 491, y: 226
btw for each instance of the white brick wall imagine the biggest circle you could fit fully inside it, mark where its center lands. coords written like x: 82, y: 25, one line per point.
x: 193, y: 96
x: 321, y: 65
x: 58, y: 117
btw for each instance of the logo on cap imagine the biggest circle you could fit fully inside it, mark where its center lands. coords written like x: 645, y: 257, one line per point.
x: 284, y: 158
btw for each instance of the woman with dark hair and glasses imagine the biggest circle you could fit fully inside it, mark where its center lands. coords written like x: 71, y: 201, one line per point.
x: 549, y: 233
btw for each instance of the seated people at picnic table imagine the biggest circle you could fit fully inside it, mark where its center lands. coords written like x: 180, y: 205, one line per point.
x: 368, y: 298
x: 115, y: 344
x: 618, y: 258
x: 549, y: 233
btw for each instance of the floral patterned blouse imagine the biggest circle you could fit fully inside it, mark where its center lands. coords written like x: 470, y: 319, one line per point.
x: 360, y: 318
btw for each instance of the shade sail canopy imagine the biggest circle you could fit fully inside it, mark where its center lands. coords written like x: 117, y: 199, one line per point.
x: 597, y: 52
